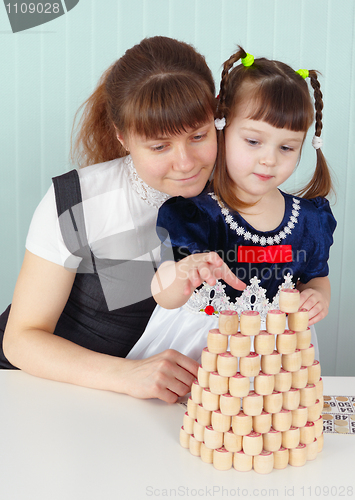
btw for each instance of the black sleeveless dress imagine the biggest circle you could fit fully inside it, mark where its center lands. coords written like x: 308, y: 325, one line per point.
x: 99, y: 314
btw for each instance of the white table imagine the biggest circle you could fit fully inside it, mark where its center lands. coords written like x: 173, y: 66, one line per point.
x: 61, y: 442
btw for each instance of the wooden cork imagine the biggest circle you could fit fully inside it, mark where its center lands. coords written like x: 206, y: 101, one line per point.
x: 281, y: 458
x: 208, y: 360
x: 213, y: 439
x: 232, y: 442
x: 320, y: 441
x: 318, y: 427
x: 299, y: 416
x: 264, y: 383
x: 199, y: 431
x: 216, y: 341
x: 273, y: 402
x: 191, y: 408
x: 262, y: 422
x: 314, y: 412
x: 298, y: 321
x: 308, y: 395
x: 222, y: 459
x: 272, y: 440
x: 242, y: 424
x: 242, y: 462
x: 253, y: 443
x: 203, y: 416
x: 307, y: 356
x: 249, y: 366
x: 196, y: 392
x: 239, y: 345
x: 319, y: 388
x: 312, y: 450
x: 275, y: 321
x: 283, y: 380
x: 194, y: 446
x: 314, y: 371
x: 289, y: 300
x: 239, y: 385
x: 203, y: 377
x: 291, y: 437
x: 227, y: 364
x: 184, y: 438
x: 304, y: 338
x: 188, y: 423
x: 220, y: 422
x: 298, y: 455
x: 217, y: 383
x: 250, y: 323
x: 206, y: 454
x: 300, y: 378
x: 264, y: 462
x: 253, y: 404
x: 271, y: 363
x: 291, y: 399
x: 264, y: 343
x: 229, y: 405
x: 292, y: 362
x: 210, y: 401
x: 286, y: 342
x: 282, y: 420
x: 307, y: 433
x: 228, y: 322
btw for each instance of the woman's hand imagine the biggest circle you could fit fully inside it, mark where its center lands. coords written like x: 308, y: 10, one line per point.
x: 315, y: 297
x: 165, y: 376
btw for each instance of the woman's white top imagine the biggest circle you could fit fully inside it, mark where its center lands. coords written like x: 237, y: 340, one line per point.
x: 115, y: 200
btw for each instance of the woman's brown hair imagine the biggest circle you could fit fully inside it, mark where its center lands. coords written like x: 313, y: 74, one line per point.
x: 280, y: 97
x: 159, y: 87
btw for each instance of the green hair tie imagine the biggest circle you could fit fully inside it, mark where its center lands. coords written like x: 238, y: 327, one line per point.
x: 248, y: 60
x: 303, y: 72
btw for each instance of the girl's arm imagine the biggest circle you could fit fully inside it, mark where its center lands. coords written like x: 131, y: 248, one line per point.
x: 41, y: 293
x: 315, y: 296
x: 174, y: 282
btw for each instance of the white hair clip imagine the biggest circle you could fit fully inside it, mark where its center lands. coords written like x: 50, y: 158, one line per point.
x: 317, y: 142
x: 220, y: 123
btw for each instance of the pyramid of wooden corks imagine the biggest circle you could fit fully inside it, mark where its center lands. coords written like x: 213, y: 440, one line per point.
x: 277, y: 423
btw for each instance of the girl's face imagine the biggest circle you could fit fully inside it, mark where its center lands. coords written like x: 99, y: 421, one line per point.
x: 176, y: 165
x: 259, y: 156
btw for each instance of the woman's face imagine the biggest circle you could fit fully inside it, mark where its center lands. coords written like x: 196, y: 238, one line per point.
x: 175, y: 165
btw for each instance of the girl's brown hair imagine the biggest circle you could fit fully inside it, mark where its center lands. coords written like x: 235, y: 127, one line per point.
x: 280, y: 97
x: 159, y: 87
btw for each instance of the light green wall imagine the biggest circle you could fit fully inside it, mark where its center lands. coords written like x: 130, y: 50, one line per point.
x: 48, y: 71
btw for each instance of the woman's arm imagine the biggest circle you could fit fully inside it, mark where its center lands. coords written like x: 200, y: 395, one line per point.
x: 41, y: 293
x: 315, y: 296
x: 174, y: 282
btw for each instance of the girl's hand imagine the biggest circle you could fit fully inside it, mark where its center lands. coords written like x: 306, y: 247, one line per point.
x: 208, y: 267
x: 315, y: 297
x: 165, y: 376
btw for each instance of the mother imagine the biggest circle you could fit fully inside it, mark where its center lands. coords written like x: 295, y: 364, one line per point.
x: 82, y: 298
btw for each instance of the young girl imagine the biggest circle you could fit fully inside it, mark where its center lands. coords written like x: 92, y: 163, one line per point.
x: 268, y: 238
x: 83, y: 299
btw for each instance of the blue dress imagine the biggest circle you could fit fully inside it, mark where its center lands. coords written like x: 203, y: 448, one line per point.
x: 296, y: 250
x: 298, y: 247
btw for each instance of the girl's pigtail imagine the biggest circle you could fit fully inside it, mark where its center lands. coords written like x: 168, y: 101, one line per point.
x: 321, y: 182
x: 221, y: 174
x: 96, y: 140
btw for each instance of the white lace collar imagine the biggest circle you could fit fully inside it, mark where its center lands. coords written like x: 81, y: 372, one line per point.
x: 149, y: 195
x: 255, y: 238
